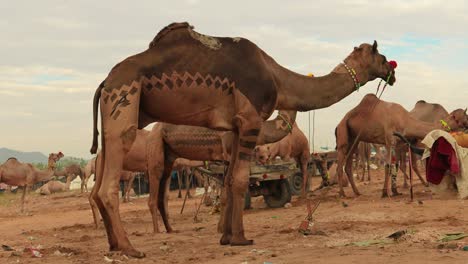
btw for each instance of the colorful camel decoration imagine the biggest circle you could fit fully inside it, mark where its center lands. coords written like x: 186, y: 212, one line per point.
x: 374, y: 121
x: 228, y: 84
x: 16, y: 173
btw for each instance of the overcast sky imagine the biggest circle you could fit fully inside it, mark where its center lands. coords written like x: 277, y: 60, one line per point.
x: 54, y: 54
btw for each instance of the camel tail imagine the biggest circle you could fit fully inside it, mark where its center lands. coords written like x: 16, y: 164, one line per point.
x: 97, y: 96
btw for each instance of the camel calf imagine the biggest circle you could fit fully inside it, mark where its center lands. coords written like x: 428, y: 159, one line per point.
x: 294, y: 145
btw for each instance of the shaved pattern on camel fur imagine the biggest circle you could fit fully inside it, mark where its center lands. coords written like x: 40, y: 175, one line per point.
x: 375, y: 121
x: 260, y: 86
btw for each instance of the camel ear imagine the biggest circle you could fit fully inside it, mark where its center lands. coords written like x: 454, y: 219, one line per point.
x: 465, y: 110
x: 374, y: 47
x: 355, y: 48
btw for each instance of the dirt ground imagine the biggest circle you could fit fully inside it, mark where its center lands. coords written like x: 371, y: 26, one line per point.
x: 61, y: 226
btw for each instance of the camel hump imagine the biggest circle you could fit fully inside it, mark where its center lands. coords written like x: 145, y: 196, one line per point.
x: 167, y: 29
x: 12, y: 158
x: 421, y: 102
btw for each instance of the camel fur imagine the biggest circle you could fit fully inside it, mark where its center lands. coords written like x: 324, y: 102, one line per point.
x: 187, y: 78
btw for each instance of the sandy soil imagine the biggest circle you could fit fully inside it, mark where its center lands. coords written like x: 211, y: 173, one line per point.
x: 61, y: 225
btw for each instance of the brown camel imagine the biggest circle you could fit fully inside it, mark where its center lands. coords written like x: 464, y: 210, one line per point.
x: 294, y: 145
x: 55, y: 186
x: 88, y: 170
x: 15, y: 173
x: 74, y: 170
x: 432, y: 113
x: 375, y: 121
x: 228, y: 84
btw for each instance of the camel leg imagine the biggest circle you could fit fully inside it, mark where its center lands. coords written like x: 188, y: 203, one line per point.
x: 23, y: 197
x: 93, y: 196
x: 225, y: 223
x: 306, y: 182
x: 388, y: 167
x: 349, y: 171
x: 401, y: 157
x: 164, y: 197
x: 129, y: 187
x: 179, y: 180
x: 188, y: 181
x: 238, y: 182
x: 340, y: 168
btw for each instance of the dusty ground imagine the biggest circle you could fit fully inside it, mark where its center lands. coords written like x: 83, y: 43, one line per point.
x: 61, y: 225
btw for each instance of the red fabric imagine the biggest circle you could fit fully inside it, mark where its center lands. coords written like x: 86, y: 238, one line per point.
x: 443, y: 158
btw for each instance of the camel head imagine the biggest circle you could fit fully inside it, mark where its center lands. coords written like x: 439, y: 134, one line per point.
x: 368, y: 57
x: 262, y: 154
x: 458, y: 119
x: 53, y: 158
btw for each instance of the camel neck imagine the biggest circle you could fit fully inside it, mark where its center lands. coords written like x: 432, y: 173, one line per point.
x: 43, y: 175
x: 419, y: 129
x: 305, y: 93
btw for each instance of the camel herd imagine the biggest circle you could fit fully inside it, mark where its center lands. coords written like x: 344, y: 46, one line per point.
x: 211, y: 98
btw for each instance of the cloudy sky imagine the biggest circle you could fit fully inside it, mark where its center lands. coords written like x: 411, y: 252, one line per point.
x: 55, y: 53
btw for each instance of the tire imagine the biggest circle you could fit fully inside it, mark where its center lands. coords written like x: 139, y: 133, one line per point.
x: 295, y: 182
x: 280, y: 193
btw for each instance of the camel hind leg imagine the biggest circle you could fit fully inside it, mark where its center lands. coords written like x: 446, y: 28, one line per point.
x: 93, y: 196
x: 119, y: 128
x: 348, y: 168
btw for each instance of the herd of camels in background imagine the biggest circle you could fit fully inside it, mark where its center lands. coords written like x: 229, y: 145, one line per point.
x: 211, y: 97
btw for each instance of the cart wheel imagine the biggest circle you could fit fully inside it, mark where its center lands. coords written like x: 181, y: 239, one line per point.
x: 295, y: 182
x: 279, y: 193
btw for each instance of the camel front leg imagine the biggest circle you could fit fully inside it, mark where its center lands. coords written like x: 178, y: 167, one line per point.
x: 306, y: 181
x: 349, y: 169
x: 23, y: 197
x: 179, y: 181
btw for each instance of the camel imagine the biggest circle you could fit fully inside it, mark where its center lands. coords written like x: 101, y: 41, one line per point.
x: 229, y: 84
x: 375, y: 121
x: 89, y: 170
x: 166, y: 143
x: 432, y: 113
x: 74, y: 170
x: 15, y: 173
x: 294, y: 145
x: 55, y: 186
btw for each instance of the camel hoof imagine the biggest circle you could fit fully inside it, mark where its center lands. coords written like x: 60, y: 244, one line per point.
x: 243, y: 242
x: 385, y: 194
x: 395, y: 192
x: 133, y: 253
x: 225, y: 240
